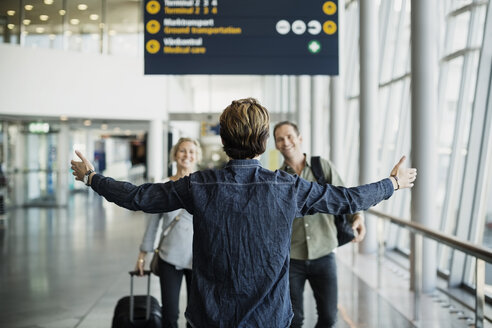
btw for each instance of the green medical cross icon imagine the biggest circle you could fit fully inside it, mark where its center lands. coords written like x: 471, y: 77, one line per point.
x: 314, y: 46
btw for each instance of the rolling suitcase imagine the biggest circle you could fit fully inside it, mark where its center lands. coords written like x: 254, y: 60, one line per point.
x: 137, y: 311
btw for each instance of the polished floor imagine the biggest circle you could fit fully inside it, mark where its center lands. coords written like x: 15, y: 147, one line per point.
x: 67, y: 267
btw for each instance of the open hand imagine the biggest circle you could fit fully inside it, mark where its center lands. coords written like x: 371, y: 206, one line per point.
x: 403, y: 177
x: 81, y: 168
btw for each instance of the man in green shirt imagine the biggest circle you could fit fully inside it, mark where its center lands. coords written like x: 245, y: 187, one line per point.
x: 314, y: 237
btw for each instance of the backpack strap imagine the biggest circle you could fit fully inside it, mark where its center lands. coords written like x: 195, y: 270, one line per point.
x: 345, y: 233
x: 317, y: 170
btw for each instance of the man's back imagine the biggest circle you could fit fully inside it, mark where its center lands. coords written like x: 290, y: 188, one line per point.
x: 242, y: 216
x: 242, y: 222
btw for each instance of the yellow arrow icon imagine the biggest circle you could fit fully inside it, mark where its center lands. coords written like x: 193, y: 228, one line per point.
x: 329, y: 7
x: 152, y: 46
x: 153, y: 26
x: 329, y: 27
x: 153, y: 7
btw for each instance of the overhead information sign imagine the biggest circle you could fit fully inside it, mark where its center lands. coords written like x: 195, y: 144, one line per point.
x: 241, y: 37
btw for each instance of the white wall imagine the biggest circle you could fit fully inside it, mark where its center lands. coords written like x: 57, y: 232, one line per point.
x: 45, y: 82
x: 213, y: 93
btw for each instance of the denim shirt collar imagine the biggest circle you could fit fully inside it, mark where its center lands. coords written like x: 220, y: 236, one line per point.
x: 243, y: 162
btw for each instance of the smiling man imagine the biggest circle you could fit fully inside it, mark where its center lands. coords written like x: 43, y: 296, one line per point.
x: 314, y: 237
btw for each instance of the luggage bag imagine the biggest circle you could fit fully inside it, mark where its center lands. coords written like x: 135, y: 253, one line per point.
x: 137, y: 311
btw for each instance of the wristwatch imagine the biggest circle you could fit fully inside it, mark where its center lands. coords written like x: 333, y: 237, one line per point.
x: 86, y: 177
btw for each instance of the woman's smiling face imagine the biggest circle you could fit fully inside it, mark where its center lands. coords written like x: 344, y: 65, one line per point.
x: 186, y: 155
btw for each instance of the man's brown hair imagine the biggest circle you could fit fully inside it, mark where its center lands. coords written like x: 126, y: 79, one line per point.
x: 292, y: 124
x: 244, y: 128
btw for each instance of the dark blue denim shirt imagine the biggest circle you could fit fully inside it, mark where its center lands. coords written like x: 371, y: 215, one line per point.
x: 242, y: 218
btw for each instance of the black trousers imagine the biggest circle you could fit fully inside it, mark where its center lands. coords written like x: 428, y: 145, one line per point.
x: 322, y: 276
x: 170, y: 280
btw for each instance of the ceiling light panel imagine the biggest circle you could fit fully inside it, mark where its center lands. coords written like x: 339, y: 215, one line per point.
x: 123, y: 18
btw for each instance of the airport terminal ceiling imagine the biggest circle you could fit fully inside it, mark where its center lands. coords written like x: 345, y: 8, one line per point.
x: 105, y: 126
x: 78, y: 16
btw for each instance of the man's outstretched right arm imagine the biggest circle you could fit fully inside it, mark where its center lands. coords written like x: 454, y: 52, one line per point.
x: 149, y: 197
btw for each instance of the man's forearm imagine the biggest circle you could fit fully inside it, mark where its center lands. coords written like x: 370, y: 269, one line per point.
x: 148, y: 197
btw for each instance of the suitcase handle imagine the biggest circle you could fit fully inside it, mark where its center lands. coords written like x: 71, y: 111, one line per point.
x: 137, y: 273
x: 147, y: 310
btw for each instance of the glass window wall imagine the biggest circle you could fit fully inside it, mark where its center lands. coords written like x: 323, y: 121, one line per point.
x: 460, y: 38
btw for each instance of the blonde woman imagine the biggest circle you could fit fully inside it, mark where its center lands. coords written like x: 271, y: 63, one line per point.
x: 175, y: 251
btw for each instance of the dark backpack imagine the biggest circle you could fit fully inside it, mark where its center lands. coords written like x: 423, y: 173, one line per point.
x: 345, y: 233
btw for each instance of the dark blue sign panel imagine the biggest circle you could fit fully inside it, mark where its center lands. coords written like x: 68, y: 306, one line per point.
x: 241, y: 37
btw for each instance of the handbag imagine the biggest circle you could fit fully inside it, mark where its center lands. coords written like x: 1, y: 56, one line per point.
x: 345, y: 233
x: 154, y: 264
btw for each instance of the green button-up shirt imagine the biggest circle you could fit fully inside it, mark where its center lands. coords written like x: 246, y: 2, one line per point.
x: 314, y: 236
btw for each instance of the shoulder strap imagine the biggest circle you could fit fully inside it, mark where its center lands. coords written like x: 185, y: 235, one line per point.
x: 166, y: 230
x: 317, y: 169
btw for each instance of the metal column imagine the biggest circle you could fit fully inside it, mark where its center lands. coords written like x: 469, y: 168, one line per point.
x: 284, y: 83
x: 293, y: 116
x: 424, y: 151
x: 319, y: 134
x: 336, y: 118
x: 63, y: 157
x: 337, y: 103
x: 304, y: 111
x: 369, y: 72
x: 155, y: 151
x: 19, y: 160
